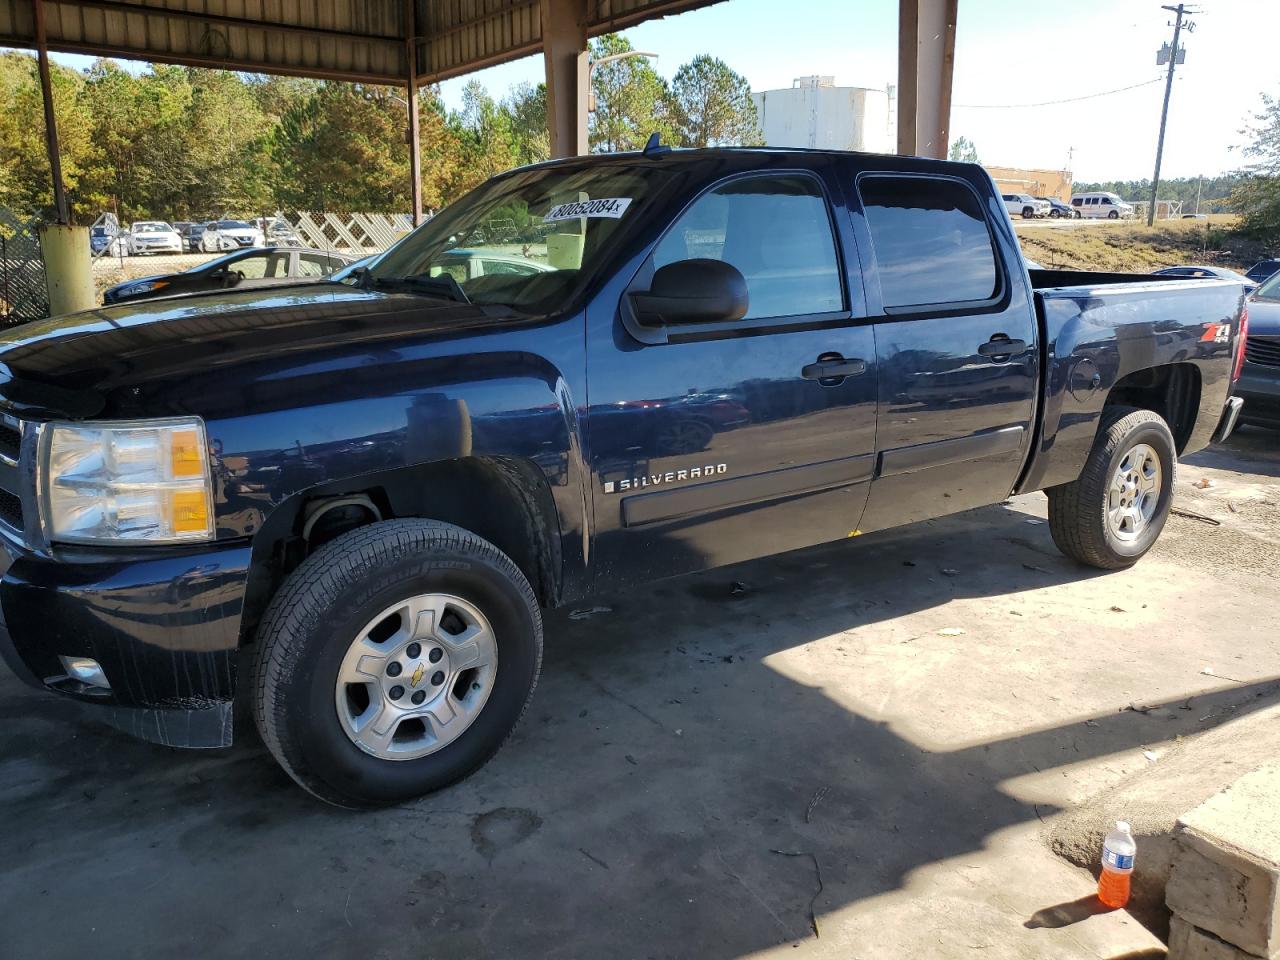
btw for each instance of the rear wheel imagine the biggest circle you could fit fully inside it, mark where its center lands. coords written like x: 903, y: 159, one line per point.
x: 395, y: 661
x: 1113, y: 513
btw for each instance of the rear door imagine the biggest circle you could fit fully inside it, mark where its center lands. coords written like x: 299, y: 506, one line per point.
x: 715, y: 443
x: 956, y: 347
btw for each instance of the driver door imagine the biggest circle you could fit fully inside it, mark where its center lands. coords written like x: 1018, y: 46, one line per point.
x: 719, y: 442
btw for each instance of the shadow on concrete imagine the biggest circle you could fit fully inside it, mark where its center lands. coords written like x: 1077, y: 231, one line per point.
x: 1249, y: 450
x: 671, y: 792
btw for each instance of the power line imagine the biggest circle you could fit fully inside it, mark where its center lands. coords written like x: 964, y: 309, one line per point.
x: 1050, y: 103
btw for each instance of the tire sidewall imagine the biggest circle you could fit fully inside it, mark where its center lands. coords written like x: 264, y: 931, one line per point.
x: 1156, y: 435
x: 312, y: 720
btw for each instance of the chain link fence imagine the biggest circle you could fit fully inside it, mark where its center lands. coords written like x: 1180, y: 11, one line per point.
x: 23, y: 293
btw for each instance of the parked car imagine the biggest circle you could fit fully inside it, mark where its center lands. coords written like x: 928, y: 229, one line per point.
x: 1025, y: 205
x: 1195, y: 216
x: 1203, y: 272
x: 1263, y: 270
x: 100, y: 238
x: 222, y: 235
x: 191, y: 235
x: 153, y: 236
x: 1101, y: 205
x: 1059, y: 210
x: 258, y: 267
x: 368, y: 495
x: 1259, y: 384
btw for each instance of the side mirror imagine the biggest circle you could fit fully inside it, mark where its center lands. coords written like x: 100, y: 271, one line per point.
x: 693, y: 291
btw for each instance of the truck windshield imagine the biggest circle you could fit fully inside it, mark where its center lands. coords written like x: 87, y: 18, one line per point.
x: 524, y: 241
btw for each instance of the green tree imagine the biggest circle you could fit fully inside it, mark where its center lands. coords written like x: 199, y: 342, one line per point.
x: 527, y: 105
x: 963, y: 150
x: 337, y: 150
x: 26, y: 185
x: 632, y: 100
x: 713, y: 105
x: 484, y: 130
x: 1257, y: 198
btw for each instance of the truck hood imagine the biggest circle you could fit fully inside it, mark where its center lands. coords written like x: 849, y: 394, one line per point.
x: 108, y: 361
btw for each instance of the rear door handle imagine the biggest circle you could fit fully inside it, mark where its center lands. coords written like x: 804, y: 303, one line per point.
x: 1002, y: 346
x: 831, y: 368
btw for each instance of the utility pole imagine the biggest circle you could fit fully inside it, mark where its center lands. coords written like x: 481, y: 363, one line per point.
x: 1175, y: 56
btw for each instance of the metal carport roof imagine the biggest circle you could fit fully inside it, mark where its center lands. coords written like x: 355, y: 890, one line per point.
x: 359, y: 40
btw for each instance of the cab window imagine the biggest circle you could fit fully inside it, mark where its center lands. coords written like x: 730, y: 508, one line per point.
x: 776, y: 230
x: 931, y: 241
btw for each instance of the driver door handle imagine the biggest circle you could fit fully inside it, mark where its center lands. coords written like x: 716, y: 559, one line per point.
x: 833, y: 367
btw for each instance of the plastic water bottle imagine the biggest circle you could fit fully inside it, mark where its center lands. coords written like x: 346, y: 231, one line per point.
x: 1118, y: 851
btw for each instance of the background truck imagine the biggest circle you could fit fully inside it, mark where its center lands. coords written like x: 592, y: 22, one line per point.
x: 351, y: 502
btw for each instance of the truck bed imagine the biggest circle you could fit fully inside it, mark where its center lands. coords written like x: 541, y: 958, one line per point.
x: 1108, y: 333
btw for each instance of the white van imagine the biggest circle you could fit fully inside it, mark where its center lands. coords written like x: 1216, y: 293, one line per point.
x: 1101, y: 205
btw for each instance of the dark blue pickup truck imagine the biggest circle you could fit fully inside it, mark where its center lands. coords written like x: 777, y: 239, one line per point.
x: 353, y: 501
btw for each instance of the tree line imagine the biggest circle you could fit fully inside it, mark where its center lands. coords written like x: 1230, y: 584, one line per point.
x: 188, y: 143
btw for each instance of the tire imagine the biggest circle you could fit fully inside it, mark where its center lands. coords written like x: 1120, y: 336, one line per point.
x: 1054, y: 214
x: 340, y: 597
x: 1113, y: 215
x: 1027, y: 213
x: 1078, y: 511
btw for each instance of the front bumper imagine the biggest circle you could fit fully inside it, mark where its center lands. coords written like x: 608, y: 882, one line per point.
x: 1259, y: 387
x: 164, y: 626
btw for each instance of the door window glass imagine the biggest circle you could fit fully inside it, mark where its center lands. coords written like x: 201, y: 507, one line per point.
x: 776, y: 231
x: 930, y: 239
x: 314, y: 265
x: 262, y: 266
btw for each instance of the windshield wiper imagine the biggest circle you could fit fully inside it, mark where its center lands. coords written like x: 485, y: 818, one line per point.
x: 444, y: 285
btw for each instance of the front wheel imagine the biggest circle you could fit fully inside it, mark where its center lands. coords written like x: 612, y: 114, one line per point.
x: 1112, y: 514
x: 1113, y: 215
x: 1027, y: 213
x: 395, y: 661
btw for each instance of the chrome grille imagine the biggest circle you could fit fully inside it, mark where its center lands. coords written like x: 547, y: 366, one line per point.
x: 1263, y: 350
x: 11, y: 474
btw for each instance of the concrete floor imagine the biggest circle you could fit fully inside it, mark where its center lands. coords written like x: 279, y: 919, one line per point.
x: 702, y: 767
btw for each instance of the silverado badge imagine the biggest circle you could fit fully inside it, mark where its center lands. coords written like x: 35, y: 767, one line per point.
x: 671, y: 476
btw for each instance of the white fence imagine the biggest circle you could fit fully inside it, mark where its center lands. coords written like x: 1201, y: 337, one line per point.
x: 362, y: 233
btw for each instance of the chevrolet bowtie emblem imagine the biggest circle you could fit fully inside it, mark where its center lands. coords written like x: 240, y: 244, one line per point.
x: 418, y: 674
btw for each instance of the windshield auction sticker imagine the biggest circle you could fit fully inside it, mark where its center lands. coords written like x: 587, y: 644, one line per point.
x: 611, y: 208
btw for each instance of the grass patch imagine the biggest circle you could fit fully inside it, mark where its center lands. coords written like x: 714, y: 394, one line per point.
x: 1133, y: 247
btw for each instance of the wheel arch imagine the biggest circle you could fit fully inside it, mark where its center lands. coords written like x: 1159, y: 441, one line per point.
x: 505, y: 500
x: 1172, y: 390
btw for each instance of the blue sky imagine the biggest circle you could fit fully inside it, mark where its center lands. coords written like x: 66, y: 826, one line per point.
x: 1008, y: 52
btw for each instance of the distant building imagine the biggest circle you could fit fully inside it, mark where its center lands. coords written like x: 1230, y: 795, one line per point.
x: 816, y: 113
x: 1038, y: 183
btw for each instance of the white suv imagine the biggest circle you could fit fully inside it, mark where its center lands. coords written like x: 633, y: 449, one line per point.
x: 1026, y: 205
x: 1102, y: 205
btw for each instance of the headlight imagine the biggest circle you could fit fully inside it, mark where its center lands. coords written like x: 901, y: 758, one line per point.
x: 132, y: 481
x: 146, y: 286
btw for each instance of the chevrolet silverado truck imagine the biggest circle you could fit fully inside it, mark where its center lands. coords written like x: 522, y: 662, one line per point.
x: 352, y: 503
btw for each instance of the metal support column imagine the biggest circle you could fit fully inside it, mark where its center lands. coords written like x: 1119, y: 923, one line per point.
x: 63, y: 211
x: 564, y: 44
x: 411, y: 98
x: 926, y: 61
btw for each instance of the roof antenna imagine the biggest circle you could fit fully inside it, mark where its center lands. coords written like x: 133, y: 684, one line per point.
x: 654, y: 147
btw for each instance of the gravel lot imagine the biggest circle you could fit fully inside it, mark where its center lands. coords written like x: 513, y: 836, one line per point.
x: 857, y: 753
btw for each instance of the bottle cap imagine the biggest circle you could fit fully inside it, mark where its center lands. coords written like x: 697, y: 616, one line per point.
x: 1123, y: 826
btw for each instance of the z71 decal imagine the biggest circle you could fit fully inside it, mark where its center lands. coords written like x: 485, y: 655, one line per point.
x: 671, y: 476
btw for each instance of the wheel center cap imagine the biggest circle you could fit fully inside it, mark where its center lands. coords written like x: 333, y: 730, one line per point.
x: 418, y: 674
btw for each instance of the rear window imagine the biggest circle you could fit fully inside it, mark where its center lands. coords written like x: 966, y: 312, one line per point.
x: 931, y: 241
